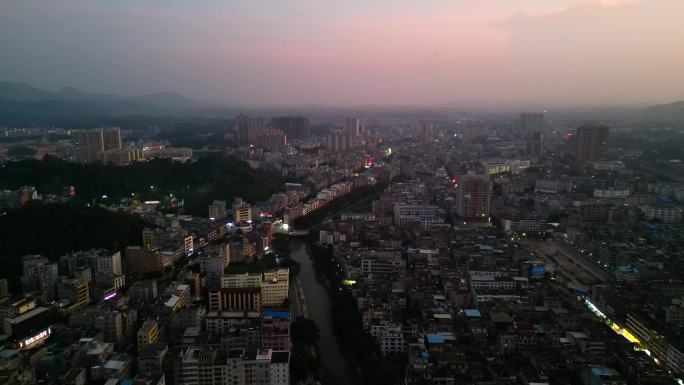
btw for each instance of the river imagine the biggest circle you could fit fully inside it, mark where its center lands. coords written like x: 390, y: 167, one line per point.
x: 334, y: 366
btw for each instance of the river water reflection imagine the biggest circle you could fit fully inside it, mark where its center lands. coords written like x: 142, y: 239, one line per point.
x: 335, y: 369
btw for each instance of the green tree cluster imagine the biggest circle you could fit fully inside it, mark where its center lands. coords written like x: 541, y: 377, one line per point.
x: 347, y: 324
x: 304, y: 334
x: 199, y: 182
x: 53, y: 230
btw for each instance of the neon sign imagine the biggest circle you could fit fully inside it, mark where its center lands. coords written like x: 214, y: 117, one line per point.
x: 40, y: 337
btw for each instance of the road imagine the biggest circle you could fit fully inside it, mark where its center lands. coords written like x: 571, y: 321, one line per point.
x: 298, y: 300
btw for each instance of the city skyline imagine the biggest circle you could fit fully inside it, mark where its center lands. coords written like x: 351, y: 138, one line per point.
x: 416, y: 192
x: 561, y: 52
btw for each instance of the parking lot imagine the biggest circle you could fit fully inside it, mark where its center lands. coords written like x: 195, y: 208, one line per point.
x: 569, y: 266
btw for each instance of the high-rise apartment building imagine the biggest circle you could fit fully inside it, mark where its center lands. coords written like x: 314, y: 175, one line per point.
x: 145, y: 291
x: 591, y: 143
x: 473, y: 197
x: 204, y: 365
x: 339, y: 141
x: 141, y: 260
x: 663, y: 213
x: 471, y: 133
x: 256, y: 132
x: 75, y: 291
x: 176, y: 296
x: 188, y: 245
x: 214, y: 259
x: 242, y: 299
x: 111, y: 138
x: 106, y: 263
x: 121, y: 157
x: 39, y: 274
x: 91, y: 144
x: 113, y: 323
x: 249, y: 291
x: 249, y: 128
x: 88, y: 144
x: 423, y: 215
x: 275, y: 331
x: 151, y: 360
x: 295, y: 127
x: 217, y: 210
x: 530, y: 127
x: 156, y: 238
x: 242, y: 211
x: 271, y: 139
x: 235, y: 281
x: 148, y: 333
x: 426, y: 132
x: 353, y: 127
x: 274, y: 287
x: 267, y: 367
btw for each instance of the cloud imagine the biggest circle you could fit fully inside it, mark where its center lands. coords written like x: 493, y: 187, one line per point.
x: 324, y: 51
x: 597, y: 53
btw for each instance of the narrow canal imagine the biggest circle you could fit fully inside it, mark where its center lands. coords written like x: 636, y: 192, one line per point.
x: 334, y: 366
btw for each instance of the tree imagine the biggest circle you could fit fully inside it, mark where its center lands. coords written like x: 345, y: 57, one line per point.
x: 20, y: 152
x: 304, y: 331
x: 198, y: 182
x: 554, y: 218
x: 53, y: 230
x: 304, y: 334
x: 302, y: 364
x: 281, y: 245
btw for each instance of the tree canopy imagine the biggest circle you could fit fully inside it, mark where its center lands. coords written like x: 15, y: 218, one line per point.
x: 53, y: 230
x: 199, y: 183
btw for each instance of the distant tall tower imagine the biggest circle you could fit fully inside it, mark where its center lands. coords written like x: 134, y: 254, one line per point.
x: 530, y: 127
x: 426, y: 132
x: 90, y: 143
x: 471, y: 133
x: 295, y: 127
x: 249, y: 129
x: 353, y: 127
x: 339, y: 141
x: 111, y: 138
x: 591, y: 143
x: 473, y: 197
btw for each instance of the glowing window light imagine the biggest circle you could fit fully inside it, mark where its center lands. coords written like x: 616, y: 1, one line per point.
x: 39, y: 337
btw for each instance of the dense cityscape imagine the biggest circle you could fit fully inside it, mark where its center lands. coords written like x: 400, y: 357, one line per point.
x: 458, y: 250
x: 342, y: 193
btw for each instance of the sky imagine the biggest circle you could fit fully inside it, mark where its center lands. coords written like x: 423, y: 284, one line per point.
x: 352, y: 52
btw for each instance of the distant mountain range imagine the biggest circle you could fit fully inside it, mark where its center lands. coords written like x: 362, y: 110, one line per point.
x: 25, y: 105
x: 671, y: 112
x: 21, y: 103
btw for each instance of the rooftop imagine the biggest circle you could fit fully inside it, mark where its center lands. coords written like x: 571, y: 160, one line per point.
x: 433, y: 338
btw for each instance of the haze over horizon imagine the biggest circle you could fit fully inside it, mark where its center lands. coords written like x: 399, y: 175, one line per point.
x: 550, y: 52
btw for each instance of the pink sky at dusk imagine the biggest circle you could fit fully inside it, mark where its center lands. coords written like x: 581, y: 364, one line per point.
x: 355, y: 52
